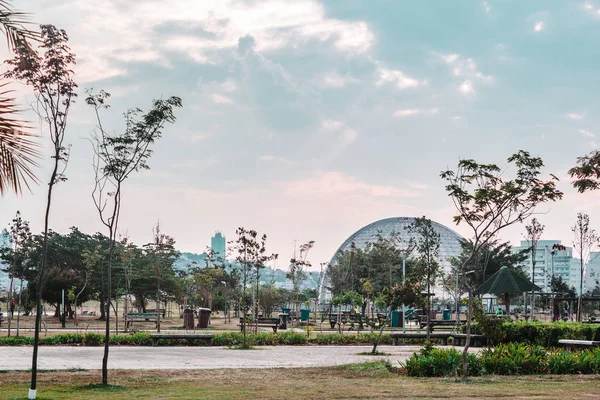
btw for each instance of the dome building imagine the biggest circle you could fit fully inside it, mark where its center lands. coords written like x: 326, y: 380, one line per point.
x: 449, y: 240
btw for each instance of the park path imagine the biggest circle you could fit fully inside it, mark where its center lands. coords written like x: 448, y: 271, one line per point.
x: 125, y: 357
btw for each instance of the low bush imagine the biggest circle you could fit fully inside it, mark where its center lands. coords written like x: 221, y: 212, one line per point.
x: 436, y: 362
x: 546, y: 334
x: 505, y: 359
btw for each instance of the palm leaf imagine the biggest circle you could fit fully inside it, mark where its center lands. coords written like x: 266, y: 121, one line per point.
x: 13, y: 25
x: 18, y: 150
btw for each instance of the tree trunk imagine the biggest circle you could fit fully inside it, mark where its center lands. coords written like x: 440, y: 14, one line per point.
x: 381, y: 328
x: 9, y: 304
x: 465, y: 366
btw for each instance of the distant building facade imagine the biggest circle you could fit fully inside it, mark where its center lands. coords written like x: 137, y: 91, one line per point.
x: 218, y: 246
x: 564, y: 265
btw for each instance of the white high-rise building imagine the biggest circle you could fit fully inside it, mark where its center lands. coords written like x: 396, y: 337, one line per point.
x: 562, y: 263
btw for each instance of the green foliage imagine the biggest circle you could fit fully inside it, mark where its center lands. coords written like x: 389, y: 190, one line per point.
x: 489, y: 326
x: 342, y: 339
x: 514, y: 359
x: 504, y: 359
x: 544, y: 333
x: 436, y: 362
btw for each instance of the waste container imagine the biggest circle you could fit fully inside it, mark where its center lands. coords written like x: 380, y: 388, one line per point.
x: 188, y: 319
x: 304, y: 314
x: 203, y: 317
x: 286, y: 311
x: 283, y: 321
x: 396, y: 319
x: 446, y: 314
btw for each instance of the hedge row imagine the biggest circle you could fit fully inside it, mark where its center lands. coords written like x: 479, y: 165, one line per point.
x: 546, y: 334
x: 218, y: 339
x: 505, y: 359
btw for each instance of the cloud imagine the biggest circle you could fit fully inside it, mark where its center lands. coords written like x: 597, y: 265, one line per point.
x: 538, y: 26
x: 587, y: 133
x: 396, y: 77
x: 198, y: 137
x: 220, y: 99
x: 339, y: 184
x: 487, y: 7
x: 465, y: 68
x: 271, y: 158
x: 335, y: 80
x: 229, y: 86
x: 331, y: 124
x: 408, y: 112
x: 574, y: 116
x: 466, y: 88
x: 346, y: 135
x: 117, y: 33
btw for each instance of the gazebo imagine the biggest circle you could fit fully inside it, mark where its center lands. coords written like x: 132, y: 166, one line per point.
x: 506, y: 282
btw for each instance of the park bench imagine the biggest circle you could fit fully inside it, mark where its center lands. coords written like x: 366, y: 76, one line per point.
x: 569, y: 344
x: 459, y: 338
x: 162, y: 311
x: 334, y: 318
x: 177, y: 336
x: 438, y: 322
x: 140, y: 317
x: 262, y: 322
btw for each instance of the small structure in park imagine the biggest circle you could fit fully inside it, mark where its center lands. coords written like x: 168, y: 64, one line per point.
x: 506, y: 282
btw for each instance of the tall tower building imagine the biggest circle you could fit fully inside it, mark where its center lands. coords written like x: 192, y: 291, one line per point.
x: 217, y: 245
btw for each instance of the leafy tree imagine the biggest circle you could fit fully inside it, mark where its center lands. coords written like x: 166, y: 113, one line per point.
x: 251, y: 254
x: 117, y: 156
x: 487, y: 202
x: 298, y: 269
x: 534, y: 233
x: 161, y: 253
x: 584, y: 239
x: 427, y: 246
x: 20, y: 236
x: 51, y: 77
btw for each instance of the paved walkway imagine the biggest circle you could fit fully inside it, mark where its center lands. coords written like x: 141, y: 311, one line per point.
x: 71, y: 357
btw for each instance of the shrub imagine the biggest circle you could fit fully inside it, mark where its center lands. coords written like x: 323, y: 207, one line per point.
x: 544, y: 334
x: 436, y: 362
x: 514, y: 359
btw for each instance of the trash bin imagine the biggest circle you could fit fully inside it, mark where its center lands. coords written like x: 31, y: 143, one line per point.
x: 283, y: 321
x: 446, y: 314
x: 286, y: 311
x: 203, y: 317
x: 188, y: 319
x: 304, y: 314
x: 396, y: 319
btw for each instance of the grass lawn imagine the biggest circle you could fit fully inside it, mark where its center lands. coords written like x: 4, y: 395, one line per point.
x: 369, y: 380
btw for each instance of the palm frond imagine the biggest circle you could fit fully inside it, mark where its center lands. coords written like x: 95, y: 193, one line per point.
x: 13, y: 25
x: 18, y: 150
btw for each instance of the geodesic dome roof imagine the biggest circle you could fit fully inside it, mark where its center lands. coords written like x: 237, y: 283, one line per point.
x: 449, y: 240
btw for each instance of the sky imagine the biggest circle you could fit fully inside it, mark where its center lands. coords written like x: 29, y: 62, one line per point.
x: 307, y: 120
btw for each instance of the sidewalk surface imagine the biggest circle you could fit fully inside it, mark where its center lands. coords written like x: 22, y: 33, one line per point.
x: 121, y: 357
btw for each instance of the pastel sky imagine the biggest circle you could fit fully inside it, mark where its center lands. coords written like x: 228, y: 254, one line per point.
x: 308, y: 119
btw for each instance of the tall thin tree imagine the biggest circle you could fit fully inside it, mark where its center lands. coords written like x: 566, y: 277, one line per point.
x: 427, y: 245
x: 51, y: 77
x: 117, y: 156
x: 584, y: 239
x: 533, y: 235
